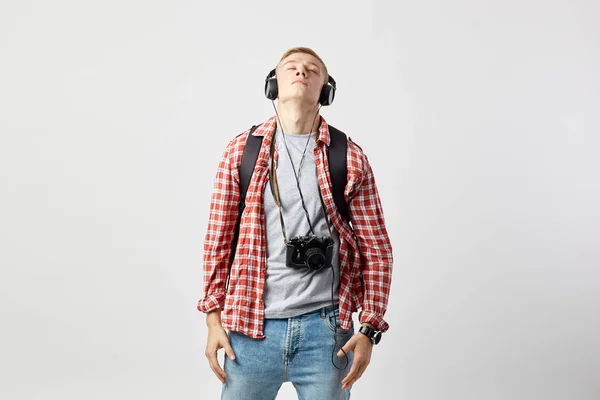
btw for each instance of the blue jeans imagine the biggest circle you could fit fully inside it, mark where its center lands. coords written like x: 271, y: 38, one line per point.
x: 300, y: 350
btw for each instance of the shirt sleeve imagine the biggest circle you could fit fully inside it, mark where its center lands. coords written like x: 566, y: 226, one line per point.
x: 375, y: 249
x: 219, y: 235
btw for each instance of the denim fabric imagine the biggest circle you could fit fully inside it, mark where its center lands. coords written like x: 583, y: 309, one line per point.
x: 300, y: 350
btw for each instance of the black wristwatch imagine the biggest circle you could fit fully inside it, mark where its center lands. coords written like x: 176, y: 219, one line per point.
x: 372, y: 334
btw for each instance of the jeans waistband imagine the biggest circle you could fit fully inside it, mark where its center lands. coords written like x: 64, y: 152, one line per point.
x: 326, y: 310
x: 322, y: 312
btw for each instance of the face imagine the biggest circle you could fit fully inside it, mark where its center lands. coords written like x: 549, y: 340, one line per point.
x: 300, y: 76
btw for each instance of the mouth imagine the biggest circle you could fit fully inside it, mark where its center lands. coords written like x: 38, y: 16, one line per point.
x: 299, y: 81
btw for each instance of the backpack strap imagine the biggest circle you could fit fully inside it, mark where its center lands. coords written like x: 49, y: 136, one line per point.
x: 249, y: 158
x: 338, y: 171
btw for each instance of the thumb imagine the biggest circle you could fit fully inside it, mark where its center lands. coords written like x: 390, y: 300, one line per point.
x: 229, y: 350
x: 346, y: 348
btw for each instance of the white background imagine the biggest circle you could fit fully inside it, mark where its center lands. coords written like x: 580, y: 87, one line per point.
x: 481, y: 122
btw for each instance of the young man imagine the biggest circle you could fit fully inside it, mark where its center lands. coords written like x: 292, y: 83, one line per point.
x: 300, y: 268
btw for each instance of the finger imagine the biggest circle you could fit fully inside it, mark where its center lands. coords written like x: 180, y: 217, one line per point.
x: 362, y: 367
x: 349, y: 383
x: 357, y: 376
x: 219, y: 377
x: 214, y: 365
x: 358, y: 368
x: 350, y: 377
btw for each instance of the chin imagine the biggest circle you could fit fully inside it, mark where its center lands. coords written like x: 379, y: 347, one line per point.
x: 298, y: 99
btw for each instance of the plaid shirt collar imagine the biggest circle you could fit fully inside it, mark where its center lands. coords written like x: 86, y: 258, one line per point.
x: 268, y: 128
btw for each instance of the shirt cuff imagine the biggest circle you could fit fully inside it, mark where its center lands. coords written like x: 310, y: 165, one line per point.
x: 211, y: 302
x: 373, y: 319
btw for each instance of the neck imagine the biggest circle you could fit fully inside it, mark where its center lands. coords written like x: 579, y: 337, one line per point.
x: 298, y: 119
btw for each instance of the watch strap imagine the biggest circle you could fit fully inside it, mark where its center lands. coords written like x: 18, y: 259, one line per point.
x: 372, y: 334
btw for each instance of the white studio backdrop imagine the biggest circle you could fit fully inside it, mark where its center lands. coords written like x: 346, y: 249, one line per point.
x: 481, y: 123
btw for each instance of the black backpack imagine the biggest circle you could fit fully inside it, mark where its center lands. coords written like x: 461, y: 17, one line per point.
x: 336, y: 154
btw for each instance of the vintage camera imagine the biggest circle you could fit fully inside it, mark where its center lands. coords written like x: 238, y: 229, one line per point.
x: 310, y: 252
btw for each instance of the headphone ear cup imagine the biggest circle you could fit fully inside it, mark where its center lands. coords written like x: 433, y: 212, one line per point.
x: 271, y: 90
x: 327, y: 95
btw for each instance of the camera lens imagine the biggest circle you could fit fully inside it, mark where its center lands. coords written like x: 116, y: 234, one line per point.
x: 315, y: 259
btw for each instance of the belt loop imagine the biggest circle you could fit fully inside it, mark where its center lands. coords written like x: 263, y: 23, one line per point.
x: 323, y: 312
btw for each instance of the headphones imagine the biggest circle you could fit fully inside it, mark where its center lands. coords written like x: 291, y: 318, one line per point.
x: 325, y: 99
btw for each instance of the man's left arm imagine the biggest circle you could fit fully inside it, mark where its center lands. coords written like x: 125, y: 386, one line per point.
x: 376, y: 267
x: 375, y: 249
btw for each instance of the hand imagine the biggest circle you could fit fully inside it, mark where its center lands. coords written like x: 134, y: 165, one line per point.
x: 218, y: 339
x: 362, y: 347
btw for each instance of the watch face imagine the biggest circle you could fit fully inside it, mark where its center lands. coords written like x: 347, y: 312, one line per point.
x: 377, y: 337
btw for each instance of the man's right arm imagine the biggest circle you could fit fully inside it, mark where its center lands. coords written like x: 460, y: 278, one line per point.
x: 213, y: 318
x: 219, y: 235
x: 217, y: 249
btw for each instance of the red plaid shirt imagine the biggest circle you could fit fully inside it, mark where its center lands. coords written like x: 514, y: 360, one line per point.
x: 364, y: 284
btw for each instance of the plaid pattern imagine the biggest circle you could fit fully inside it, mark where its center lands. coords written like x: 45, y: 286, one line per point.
x: 365, y: 260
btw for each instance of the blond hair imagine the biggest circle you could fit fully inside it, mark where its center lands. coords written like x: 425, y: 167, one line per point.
x: 305, y: 50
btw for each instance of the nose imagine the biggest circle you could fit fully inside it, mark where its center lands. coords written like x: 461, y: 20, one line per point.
x: 301, y: 71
